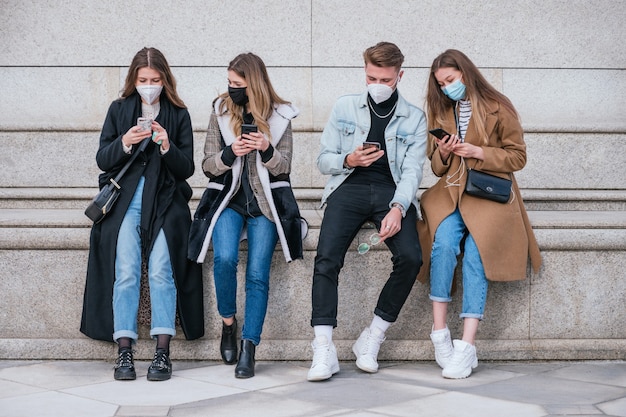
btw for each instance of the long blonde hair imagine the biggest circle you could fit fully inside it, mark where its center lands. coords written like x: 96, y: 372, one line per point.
x: 478, y: 91
x: 261, y: 94
x: 152, y: 58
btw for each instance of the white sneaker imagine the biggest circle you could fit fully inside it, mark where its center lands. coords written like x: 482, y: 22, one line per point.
x: 443, y: 346
x: 325, y: 363
x: 366, y: 349
x: 462, y: 362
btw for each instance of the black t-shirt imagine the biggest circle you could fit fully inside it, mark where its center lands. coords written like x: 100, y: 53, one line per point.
x: 378, y: 172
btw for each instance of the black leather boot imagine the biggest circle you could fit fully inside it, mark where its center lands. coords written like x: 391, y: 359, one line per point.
x: 245, y: 366
x: 124, y: 366
x: 161, y: 367
x: 228, y: 345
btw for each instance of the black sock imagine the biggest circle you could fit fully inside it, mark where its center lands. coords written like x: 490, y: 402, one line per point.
x: 124, y: 343
x: 163, y: 342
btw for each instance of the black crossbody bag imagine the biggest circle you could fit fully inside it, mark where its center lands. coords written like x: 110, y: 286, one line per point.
x: 482, y: 185
x: 105, y: 200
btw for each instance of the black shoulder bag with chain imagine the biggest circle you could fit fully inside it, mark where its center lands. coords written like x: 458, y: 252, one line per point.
x: 105, y: 200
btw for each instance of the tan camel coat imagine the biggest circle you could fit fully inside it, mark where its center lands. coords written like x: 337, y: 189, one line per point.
x: 502, y: 232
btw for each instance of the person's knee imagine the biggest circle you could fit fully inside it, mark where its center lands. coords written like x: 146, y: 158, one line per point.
x: 126, y: 281
x: 226, y: 259
x: 409, y: 258
x: 257, y: 281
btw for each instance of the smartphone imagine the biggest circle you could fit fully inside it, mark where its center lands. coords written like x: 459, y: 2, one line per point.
x: 145, y: 123
x: 248, y: 128
x: 439, y: 133
x: 367, y: 145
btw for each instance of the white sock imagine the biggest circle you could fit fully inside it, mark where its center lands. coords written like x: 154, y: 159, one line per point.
x: 324, y: 331
x: 379, y: 324
x: 433, y: 331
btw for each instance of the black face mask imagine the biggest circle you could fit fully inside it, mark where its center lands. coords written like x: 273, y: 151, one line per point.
x: 238, y: 95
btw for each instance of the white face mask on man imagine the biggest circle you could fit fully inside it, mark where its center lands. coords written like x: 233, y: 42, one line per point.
x: 381, y: 92
x: 149, y: 92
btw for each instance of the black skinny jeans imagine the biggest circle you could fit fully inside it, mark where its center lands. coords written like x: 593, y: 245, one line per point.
x: 347, y: 209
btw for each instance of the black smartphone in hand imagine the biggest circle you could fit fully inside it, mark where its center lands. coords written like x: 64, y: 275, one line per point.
x: 248, y: 128
x: 439, y: 133
x: 367, y: 145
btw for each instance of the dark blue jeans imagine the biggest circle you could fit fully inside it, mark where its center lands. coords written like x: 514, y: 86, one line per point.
x: 347, y: 209
x: 262, y: 238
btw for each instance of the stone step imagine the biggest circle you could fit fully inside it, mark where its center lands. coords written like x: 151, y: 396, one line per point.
x: 309, y: 198
x: 69, y: 229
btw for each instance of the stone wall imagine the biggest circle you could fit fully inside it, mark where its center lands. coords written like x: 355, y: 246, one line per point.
x: 62, y: 63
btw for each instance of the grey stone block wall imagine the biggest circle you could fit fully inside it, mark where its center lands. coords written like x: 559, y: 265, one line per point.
x: 61, y: 64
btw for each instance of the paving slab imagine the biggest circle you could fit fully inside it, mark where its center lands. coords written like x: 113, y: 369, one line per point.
x: 280, y: 389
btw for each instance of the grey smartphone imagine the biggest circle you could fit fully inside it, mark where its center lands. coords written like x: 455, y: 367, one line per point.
x: 367, y: 145
x: 145, y: 123
x: 248, y: 128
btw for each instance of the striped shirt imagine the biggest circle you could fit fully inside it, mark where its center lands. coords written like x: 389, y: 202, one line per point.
x: 464, y: 108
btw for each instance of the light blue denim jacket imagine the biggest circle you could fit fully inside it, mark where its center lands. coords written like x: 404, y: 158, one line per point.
x: 405, y: 139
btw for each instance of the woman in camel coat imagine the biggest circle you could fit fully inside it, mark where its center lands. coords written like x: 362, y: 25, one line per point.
x: 496, y: 239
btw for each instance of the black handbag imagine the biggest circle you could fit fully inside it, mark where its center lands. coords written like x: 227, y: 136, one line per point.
x: 482, y: 185
x: 105, y: 200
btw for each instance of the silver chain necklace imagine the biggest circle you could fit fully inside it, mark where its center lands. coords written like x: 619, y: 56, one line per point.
x: 385, y: 116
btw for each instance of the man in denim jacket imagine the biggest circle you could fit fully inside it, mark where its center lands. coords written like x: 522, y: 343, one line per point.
x: 374, y: 182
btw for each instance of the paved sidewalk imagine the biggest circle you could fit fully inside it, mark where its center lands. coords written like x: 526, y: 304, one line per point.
x: 498, y: 389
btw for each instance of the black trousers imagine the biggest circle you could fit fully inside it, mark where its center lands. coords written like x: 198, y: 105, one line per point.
x: 347, y: 209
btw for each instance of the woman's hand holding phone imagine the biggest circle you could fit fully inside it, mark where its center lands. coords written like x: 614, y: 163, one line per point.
x: 446, y: 143
x: 255, y: 141
x: 137, y: 133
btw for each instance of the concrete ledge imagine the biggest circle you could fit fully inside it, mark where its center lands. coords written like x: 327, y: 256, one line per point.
x: 552, y: 315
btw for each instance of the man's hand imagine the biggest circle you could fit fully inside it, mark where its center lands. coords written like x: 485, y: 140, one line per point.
x: 363, y: 157
x: 391, y: 224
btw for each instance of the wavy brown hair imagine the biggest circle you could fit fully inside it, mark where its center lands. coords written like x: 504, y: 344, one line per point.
x: 152, y: 58
x: 261, y: 94
x: 478, y: 91
x: 384, y: 54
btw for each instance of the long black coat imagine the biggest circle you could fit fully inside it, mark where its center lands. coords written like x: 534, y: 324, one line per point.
x: 165, y: 205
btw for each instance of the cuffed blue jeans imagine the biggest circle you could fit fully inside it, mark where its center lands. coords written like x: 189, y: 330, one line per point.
x: 446, y: 248
x: 262, y: 238
x: 128, y: 278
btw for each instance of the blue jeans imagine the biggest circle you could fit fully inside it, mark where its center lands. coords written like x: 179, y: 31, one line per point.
x: 128, y: 276
x: 446, y: 248
x: 262, y: 238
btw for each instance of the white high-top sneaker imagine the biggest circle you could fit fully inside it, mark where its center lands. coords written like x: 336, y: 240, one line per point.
x: 462, y: 362
x: 443, y: 346
x: 325, y: 363
x: 366, y: 349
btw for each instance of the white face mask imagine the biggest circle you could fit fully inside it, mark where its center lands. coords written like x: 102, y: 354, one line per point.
x: 149, y: 92
x: 381, y: 92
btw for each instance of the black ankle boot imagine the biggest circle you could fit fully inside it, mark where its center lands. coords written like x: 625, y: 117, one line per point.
x: 245, y: 366
x: 124, y: 366
x: 228, y: 345
x: 161, y: 367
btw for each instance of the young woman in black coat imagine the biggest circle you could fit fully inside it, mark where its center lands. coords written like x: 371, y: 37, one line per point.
x: 150, y: 221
